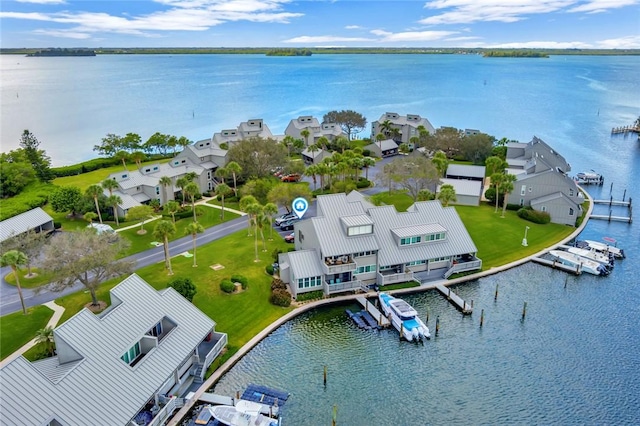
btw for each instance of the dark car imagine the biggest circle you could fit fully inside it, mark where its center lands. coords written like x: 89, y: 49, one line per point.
x: 290, y: 238
x: 288, y: 225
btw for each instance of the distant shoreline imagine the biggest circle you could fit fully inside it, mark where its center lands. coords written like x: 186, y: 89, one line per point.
x: 345, y: 50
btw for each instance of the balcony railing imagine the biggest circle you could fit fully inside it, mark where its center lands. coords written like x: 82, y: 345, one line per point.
x: 172, y: 404
x: 214, y: 352
x: 337, y: 266
x: 340, y: 287
x: 463, y: 267
x: 385, y: 279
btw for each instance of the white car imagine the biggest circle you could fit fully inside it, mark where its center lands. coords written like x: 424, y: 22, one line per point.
x: 285, y: 217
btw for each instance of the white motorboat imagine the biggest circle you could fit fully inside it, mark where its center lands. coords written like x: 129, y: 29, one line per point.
x: 579, y: 262
x: 599, y: 257
x: 618, y: 253
x: 244, y: 413
x: 404, y: 318
x: 589, y: 178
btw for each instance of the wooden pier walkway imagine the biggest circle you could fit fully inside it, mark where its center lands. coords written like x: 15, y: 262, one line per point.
x: 455, y: 300
x: 613, y: 202
x: 610, y: 218
x: 557, y: 265
x: 625, y: 129
x: 375, y: 313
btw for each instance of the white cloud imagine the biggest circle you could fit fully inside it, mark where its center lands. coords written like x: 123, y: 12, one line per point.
x: 465, y: 38
x: 63, y: 34
x: 353, y: 27
x: 386, y: 36
x: 182, y: 15
x: 43, y: 1
x: 542, y: 45
x: 599, y: 6
x: 325, y: 39
x: 468, y: 11
x: 630, y: 42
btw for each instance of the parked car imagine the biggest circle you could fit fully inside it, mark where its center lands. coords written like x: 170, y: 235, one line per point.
x: 290, y: 178
x: 290, y: 238
x: 284, y: 218
x: 288, y: 225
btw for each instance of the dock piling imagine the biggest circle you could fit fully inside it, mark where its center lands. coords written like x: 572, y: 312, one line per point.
x: 524, y: 311
x: 481, y: 318
x: 325, y: 376
x: 437, y: 325
x: 495, y: 297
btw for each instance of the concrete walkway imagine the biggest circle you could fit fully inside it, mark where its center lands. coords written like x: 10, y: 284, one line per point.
x: 53, y: 321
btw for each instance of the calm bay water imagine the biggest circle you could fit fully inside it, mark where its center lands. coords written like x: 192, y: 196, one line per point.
x: 574, y: 360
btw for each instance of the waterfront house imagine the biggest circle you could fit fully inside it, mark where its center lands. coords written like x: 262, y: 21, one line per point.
x: 316, y: 130
x: 351, y: 244
x: 314, y: 157
x: 125, y: 366
x: 33, y: 220
x: 467, y: 181
x: 542, y: 181
x: 247, y: 129
x: 403, y: 127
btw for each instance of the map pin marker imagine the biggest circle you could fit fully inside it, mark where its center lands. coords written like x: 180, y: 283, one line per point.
x: 300, y: 206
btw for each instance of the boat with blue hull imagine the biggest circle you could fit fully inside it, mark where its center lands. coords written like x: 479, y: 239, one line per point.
x: 404, y: 318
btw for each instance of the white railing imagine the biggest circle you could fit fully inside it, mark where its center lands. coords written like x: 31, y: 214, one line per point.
x: 166, y: 411
x: 214, y: 352
x: 339, y: 268
x: 386, y: 279
x: 462, y: 267
x: 340, y: 287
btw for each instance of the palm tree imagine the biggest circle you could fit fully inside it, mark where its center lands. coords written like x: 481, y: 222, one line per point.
x: 441, y: 162
x: 379, y: 138
x: 323, y: 142
x: 447, y: 194
x: 122, y: 156
x: 89, y: 216
x: 235, y: 170
x: 342, y: 143
x: 269, y: 210
x: 507, y: 187
x: 222, y: 173
x: 245, y: 202
x: 312, y: 171
x: 192, y: 189
x: 114, y: 201
x: 313, y: 148
x: 385, y: 128
x: 323, y: 170
x: 165, y: 181
x: 138, y: 157
x: 288, y: 142
x: 163, y: 230
x: 94, y: 191
x: 222, y: 190
x: 45, y: 336
x: 368, y: 162
x: 254, y: 211
x: 305, y: 134
x: 15, y: 259
x: 193, y: 229
x: 496, y: 181
x: 109, y: 185
x: 181, y: 183
x: 172, y: 208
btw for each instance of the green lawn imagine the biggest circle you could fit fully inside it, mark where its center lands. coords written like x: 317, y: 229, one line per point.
x: 17, y: 329
x: 399, y: 199
x: 28, y: 282
x: 84, y: 180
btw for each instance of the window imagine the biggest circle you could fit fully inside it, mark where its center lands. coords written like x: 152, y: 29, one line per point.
x: 521, y: 201
x: 416, y: 262
x: 157, y: 190
x: 132, y: 354
x: 436, y: 237
x: 530, y: 189
x: 410, y: 240
x: 543, y: 208
x: 523, y: 189
x: 124, y: 176
x: 570, y: 192
x: 156, y: 330
x: 155, y: 168
x: 365, y: 269
x: 309, y: 282
x: 360, y: 230
x: 570, y: 211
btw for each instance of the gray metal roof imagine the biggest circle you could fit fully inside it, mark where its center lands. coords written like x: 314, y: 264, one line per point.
x: 466, y: 170
x: 127, y: 200
x: 304, y: 263
x: 332, y: 238
x: 354, y: 196
x: 556, y: 196
x: 101, y: 388
x: 356, y: 220
x: 420, y: 229
x: 23, y: 222
x: 463, y: 186
x: 386, y: 218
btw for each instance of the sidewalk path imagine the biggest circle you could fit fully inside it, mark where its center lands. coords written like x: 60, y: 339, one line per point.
x: 53, y: 321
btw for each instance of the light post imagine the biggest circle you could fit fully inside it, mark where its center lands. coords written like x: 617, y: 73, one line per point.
x: 524, y: 240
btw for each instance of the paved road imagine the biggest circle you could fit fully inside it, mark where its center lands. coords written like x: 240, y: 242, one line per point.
x: 10, y: 301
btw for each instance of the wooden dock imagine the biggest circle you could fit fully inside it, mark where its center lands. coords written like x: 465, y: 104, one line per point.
x: 612, y: 202
x: 557, y: 265
x: 375, y: 313
x: 455, y: 300
x: 625, y: 130
x: 611, y: 218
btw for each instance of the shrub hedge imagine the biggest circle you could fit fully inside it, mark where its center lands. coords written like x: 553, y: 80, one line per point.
x: 227, y: 285
x: 534, y: 216
x: 240, y: 279
x: 280, y: 297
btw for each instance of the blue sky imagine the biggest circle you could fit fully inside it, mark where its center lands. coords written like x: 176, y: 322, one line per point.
x: 319, y: 23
